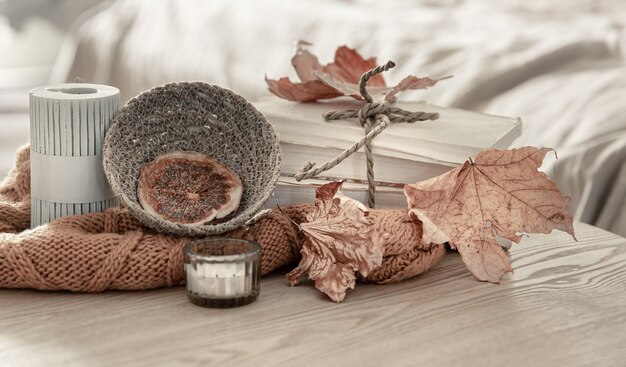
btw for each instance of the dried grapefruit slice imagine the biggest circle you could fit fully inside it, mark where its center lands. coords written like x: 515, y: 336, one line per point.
x: 189, y: 188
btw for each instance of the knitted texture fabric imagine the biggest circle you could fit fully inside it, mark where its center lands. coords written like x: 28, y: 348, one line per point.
x: 113, y: 250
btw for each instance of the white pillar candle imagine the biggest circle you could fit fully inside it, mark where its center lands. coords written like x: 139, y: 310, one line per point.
x: 67, y: 127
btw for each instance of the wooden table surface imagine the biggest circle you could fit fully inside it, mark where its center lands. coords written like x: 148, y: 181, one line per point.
x: 565, y: 306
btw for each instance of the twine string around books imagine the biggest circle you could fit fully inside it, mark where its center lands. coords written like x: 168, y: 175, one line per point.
x: 374, y: 117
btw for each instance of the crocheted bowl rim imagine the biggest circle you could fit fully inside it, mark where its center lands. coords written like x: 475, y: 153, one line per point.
x: 234, y: 221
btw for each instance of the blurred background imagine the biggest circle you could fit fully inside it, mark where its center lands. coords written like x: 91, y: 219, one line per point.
x: 559, y: 65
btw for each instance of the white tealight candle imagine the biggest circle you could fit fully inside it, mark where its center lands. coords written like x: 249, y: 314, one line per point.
x: 222, y: 272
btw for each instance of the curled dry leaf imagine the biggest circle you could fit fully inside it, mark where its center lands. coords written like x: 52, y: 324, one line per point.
x: 339, y: 241
x: 412, y: 82
x: 311, y: 88
x: 338, y: 78
x: 351, y: 89
x: 378, y: 94
x: 349, y: 65
x: 301, y: 92
x: 502, y: 192
x: 305, y: 63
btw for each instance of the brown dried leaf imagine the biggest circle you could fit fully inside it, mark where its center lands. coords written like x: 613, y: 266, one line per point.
x: 346, y: 89
x: 411, y: 82
x: 502, y: 192
x: 339, y: 241
x: 338, y: 78
x: 377, y: 93
x: 305, y: 62
x: 349, y: 65
x: 301, y: 92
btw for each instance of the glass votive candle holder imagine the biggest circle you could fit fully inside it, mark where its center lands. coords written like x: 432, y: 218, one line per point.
x: 222, y: 272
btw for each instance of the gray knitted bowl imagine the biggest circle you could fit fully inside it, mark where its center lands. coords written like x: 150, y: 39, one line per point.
x: 192, y: 116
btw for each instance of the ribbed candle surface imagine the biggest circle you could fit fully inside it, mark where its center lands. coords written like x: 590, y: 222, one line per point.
x: 67, y: 127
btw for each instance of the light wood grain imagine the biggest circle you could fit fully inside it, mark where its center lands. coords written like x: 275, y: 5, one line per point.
x: 565, y: 306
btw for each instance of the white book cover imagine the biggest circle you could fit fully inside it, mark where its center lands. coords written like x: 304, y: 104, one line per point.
x: 450, y: 140
x: 403, y: 153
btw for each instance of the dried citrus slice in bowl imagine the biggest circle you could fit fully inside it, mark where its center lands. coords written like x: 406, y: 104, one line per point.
x: 189, y: 188
x: 179, y: 118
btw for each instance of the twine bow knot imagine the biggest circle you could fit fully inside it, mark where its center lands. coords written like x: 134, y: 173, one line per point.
x: 374, y: 117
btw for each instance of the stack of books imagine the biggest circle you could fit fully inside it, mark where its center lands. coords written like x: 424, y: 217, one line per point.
x: 403, y: 153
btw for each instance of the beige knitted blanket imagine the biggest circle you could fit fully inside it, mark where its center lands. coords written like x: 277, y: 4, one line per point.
x: 112, y: 250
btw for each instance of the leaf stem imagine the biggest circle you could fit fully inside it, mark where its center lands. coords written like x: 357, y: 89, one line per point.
x: 288, y: 217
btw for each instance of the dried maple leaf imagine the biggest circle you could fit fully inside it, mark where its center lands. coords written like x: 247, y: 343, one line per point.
x: 412, y: 82
x: 502, y: 192
x: 349, y: 65
x: 301, y: 92
x: 339, y: 241
x: 351, y: 89
x: 305, y: 63
x: 378, y: 94
x: 338, y: 78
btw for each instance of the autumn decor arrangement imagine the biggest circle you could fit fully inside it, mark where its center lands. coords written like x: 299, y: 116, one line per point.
x: 340, y: 78
x: 497, y: 193
x: 190, y: 159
